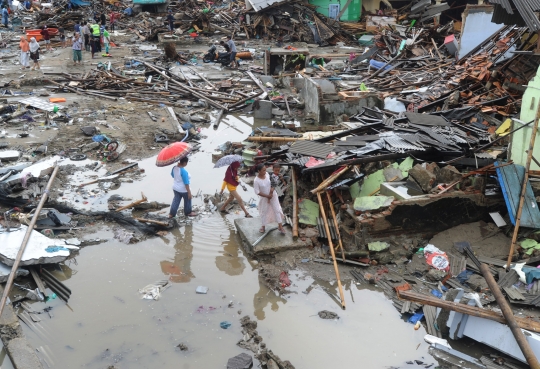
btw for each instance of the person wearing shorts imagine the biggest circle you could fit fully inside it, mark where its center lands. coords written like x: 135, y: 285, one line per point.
x: 231, y: 182
x: 46, y: 37
x: 77, y: 45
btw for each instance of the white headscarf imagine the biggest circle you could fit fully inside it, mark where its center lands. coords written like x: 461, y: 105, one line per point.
x: 34, y: 46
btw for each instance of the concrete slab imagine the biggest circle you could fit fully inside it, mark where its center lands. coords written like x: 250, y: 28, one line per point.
x: 5, y: 270
x: 274, y: 242
x: 35, y: 253
x: 10, y: 155
x: 22, y: 354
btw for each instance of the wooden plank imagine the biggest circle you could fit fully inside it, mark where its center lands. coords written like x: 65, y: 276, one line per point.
x: 511, y: 179
x: 430, y: 312
x: 38, y: 281
x: 524, y: 323
x: 176, y: 123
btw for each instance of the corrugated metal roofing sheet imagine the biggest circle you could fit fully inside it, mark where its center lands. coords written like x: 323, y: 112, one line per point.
x: 310, y: 148
x: 504, y: 13
x: 426, y: 119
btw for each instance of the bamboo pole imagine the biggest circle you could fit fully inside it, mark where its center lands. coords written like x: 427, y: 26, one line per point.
x: 295, y: 205
x: 329, y: 198
x: 25, y: 240
x: 341, y: 295
x: 420, y: 298
x: 330, y: 180
x: 523, y: 187
x: 509, y: 317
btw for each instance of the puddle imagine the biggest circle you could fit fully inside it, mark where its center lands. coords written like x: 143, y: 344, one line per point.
x: 107, y: 323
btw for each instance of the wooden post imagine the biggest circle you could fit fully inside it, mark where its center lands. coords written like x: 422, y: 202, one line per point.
x: 509, y: 316
x: 335, y: 224
x: 295, y: 205
x: 341, y: 295
x: 524, y: 187
x: 420, y: 298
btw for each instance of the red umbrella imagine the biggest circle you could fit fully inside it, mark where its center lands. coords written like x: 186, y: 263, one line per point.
x: 173, y: 153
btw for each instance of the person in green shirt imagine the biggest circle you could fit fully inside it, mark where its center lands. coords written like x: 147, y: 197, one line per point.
x: 106, y: 40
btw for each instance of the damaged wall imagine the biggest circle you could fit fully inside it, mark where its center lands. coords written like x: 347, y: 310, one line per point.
x: 322, y: 110
x: 351, y: 13
x: 432, y: 214
x: 521, y: 139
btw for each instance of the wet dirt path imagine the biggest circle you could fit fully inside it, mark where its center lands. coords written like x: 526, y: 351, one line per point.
x: 107, y: 323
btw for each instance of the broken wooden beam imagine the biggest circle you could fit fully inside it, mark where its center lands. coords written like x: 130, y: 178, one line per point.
x: 134, y: 203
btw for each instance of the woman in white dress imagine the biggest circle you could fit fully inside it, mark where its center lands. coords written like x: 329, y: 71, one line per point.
x: 269, y: 208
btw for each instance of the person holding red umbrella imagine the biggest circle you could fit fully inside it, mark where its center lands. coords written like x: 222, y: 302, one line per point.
x: 182, y: 180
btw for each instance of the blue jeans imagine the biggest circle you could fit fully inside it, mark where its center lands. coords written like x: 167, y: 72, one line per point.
x: 178, y: 196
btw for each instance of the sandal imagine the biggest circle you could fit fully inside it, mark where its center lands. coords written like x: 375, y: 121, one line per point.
x: 249, y: 216
x: 282, y: 231
x: 261, y: 230
x: 192, y: 214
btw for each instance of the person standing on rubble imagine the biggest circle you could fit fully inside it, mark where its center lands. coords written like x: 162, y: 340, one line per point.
x: 112, y: 20
x: 96, y: 35
x: 232, y: 47
x: 25, y: 53
x: 86, y: 34
x: 170, y: 21
x: 269, y: 207
x: 34, y: 53
x: 106, y: 40
x: 5, y: 16
x: 181, y: 189
x: 103, y: 19
x: 231, y: 181
x: 46, y: 37
x: 77, y: 44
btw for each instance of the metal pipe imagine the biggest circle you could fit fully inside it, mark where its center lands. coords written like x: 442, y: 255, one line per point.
x: 25, y: 240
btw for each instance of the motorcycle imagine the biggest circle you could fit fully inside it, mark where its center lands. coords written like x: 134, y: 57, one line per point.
x: 213, y: 56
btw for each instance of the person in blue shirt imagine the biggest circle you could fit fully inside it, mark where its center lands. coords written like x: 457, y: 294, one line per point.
x: 181, y: 189
x: 5, y: 16
x: 27, y: 4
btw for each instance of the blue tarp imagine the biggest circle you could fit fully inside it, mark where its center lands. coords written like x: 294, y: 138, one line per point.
x: 80, y: 3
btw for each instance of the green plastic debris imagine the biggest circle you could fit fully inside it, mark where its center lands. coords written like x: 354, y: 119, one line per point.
x: 377, y: 246
x: 308, y: 212
x: 55, y: 109
x: 530, y: 245
x: 406, y: 165
x: 363, y: 87
x: 372, y: 202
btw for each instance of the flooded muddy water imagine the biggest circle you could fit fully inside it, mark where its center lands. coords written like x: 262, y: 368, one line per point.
x: 107, y: 323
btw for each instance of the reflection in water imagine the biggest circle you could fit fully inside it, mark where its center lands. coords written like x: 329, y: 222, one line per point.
x: 264, y: 297
x: 179, y: 270
x: 230, y: 261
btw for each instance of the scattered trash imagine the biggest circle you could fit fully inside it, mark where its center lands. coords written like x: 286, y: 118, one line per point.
x: 153, y: 291
x: 325, y: 314
x: 225, y: 325
x: 201, y: 290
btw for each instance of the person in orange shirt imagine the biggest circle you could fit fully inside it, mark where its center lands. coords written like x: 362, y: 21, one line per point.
x: 25, y: 53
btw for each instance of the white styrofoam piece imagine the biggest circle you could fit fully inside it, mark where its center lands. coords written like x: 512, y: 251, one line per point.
x: 10, y: 243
